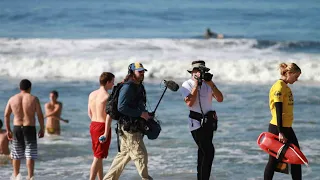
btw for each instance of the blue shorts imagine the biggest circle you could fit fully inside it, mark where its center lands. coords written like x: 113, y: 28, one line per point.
x: 24, y: 143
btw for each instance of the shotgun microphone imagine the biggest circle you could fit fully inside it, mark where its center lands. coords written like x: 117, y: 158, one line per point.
x: 171, y: 85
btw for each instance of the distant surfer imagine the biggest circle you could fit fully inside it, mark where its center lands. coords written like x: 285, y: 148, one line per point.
x: 209, y: 34
x: 53, y: 111
x: 100, y: 124
x: 4, y: 146
x: 24, y: 106
x: 281, y: 107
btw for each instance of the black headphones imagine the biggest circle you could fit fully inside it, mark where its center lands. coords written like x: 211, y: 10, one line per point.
x: 130, y: 71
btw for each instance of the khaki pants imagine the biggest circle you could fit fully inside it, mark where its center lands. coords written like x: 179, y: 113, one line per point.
x: 132, y: 148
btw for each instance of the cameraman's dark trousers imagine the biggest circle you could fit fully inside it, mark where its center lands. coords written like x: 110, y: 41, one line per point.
x: 203, y: 137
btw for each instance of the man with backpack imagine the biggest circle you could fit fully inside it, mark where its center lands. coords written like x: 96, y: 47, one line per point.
x: 132, y: 107
x: 99, y: 123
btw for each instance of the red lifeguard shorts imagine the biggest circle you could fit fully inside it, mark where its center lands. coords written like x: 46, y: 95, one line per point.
x: 100, y: 150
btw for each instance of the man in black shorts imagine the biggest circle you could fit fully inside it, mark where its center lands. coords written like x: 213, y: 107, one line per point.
x: 24, y: 106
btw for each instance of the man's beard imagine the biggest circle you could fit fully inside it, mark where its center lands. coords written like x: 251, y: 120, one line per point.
x: 140, y: 80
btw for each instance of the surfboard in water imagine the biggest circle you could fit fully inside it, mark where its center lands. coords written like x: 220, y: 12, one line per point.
x: 270, y: 143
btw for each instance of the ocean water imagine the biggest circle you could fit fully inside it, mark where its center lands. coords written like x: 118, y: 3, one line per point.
x: 65, y: 45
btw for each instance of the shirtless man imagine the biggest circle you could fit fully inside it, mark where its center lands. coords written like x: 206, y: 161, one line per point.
x: 4, y: 146
x: 53, y: 111
x: 100, y: 123
x: 24, y: 106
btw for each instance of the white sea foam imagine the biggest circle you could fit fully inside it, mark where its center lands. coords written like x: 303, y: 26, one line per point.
x: 235, y: 60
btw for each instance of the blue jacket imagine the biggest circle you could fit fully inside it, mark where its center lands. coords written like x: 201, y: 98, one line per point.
x: 131, y: 99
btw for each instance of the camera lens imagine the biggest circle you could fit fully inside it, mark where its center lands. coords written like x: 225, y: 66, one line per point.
x: 207, y: 76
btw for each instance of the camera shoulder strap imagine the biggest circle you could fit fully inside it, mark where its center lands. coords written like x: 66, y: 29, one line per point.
x: 203, y: 119
x: 198, y: 94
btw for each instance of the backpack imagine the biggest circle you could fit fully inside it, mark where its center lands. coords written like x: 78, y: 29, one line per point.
x: 112, y: 102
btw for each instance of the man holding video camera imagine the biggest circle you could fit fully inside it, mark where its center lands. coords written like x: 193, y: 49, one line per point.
x: 198, y: 93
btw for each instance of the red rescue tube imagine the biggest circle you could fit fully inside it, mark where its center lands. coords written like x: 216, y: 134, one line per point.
x: 270, y: 143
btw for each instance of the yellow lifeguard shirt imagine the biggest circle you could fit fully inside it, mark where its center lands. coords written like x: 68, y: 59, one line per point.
x: 280, y: 92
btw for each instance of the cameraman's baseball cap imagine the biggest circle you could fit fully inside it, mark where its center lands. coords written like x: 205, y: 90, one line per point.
x: 137, y: 66
x: 197, y: 65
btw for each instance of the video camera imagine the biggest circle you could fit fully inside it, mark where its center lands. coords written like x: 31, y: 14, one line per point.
x: 204, y: 75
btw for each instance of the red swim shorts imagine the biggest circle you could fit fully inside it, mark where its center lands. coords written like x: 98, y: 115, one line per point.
x: 100, y: 150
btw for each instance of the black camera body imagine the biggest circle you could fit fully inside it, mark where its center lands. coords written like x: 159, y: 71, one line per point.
x: 204, y: 75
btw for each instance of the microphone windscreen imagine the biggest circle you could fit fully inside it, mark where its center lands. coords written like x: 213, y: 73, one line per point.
x: 171, y: 85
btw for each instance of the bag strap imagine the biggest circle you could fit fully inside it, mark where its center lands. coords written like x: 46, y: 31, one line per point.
x: 118, y: 132
x: 203, y: 118
x: 282, y: 151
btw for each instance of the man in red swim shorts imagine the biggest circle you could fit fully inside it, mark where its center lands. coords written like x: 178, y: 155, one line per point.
x: 96, y: 111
